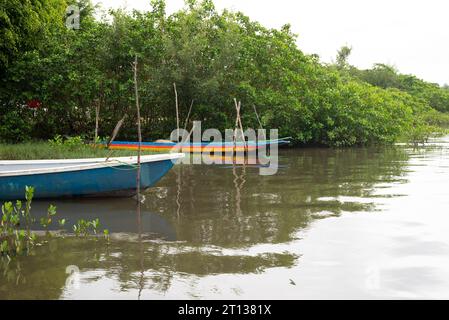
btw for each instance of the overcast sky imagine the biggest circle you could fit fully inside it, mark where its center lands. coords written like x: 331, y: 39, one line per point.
x: 411, y: 35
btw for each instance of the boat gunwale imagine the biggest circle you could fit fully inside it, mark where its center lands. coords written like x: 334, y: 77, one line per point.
x: 203, y: 144
x: 84, y: 164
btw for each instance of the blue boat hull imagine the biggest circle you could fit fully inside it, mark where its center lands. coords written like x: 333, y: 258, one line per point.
x: 105, y: 181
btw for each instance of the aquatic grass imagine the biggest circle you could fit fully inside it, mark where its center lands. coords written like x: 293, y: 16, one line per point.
x: 46, y: 150
x: 47, y: 220
x: 106, y: 235
x: 13, y: 238
x: 16, y: 237
x: 87, y: 228
x: 420, y: 134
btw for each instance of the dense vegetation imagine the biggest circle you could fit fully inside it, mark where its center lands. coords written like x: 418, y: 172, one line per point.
x: 53, y: 78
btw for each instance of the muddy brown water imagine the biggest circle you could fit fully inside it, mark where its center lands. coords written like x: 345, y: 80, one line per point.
x: 332, y: 223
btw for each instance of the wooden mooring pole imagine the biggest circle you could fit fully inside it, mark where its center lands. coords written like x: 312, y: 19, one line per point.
x: 139, y: 132
x: 177, y: 111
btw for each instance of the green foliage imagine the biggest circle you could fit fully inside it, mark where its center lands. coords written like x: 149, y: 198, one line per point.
x: 69, y: 143
x: 16, y: 236
x: 435, y: 118
x: 61, y: 223
x: 46, y: 221
x: 13, y: 239
x: 23, y: 24
x: 371, y: 115
x: 426, y: 100
x: 419, y: 134
x: 213, y: 58
x: 426, y: 125
x: 14, y: 126
x: 84, y: 227
x: 106, y: 234
x: 342, y: 57
x: 385, y: 76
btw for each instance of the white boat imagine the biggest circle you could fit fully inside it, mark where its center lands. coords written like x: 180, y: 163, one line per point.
x: 82, y: 177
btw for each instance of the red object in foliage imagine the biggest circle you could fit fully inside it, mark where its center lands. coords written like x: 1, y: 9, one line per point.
x: 34, y: 104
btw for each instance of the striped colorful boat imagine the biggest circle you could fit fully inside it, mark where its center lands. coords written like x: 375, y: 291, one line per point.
x: 190, y: 147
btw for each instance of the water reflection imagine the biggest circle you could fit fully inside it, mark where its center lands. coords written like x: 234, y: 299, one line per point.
x: 140, y: 240
x: 202, y: 221
x: 232, y: 206
x: 118, y: 215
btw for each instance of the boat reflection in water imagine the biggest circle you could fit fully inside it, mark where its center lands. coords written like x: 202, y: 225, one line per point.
x: 215, y: 231
x: 118, y: 215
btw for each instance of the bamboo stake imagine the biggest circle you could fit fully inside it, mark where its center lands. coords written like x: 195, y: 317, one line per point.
x: 116, y: 130
x: 234, y: 137
x: 260, y: 123
x: 188, y: 116
x: 257, y: 116
x: 139, y: 132
x: 114, y: 134
x: 239, y: 121
x: 177, y: 111
x: 245, y: 147
x: 97, y: 115
x: 139, y: 151
x: 236, y: 116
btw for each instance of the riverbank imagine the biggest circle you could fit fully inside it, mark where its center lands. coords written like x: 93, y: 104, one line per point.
x: 276, y: 83
x: 75, y: 148
x: 47, y: 150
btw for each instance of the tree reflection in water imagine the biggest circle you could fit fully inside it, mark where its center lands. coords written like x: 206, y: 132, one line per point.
x: 205, y: 220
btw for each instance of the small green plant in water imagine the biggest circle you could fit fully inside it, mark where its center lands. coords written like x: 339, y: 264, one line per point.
x: 106, y: 235
x: 81, y: 228
x: 84, y: 227
x: 15, y: 226
x: 61, y: 223
x: 46, y: 221
x: 14, y: 239
x: 95, y: 224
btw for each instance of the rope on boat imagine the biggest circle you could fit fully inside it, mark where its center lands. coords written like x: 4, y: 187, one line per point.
x: 133, y: 166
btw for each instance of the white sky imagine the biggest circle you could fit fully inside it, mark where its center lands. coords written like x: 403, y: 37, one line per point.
x: 409, y: 34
